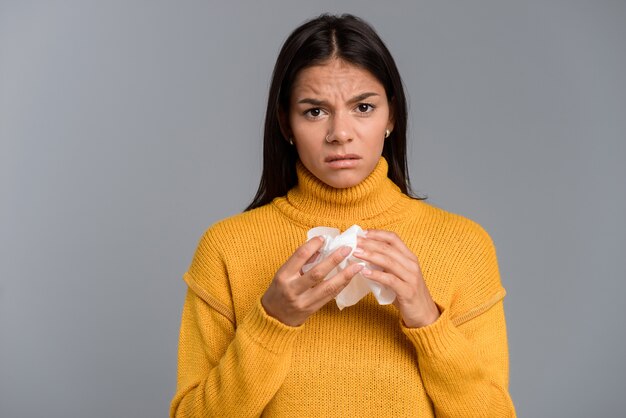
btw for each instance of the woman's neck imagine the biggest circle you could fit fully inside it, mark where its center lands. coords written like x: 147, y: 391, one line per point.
x: 314, y: 203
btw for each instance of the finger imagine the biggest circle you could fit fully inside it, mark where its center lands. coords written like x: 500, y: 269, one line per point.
x: 387, y: 262
x: 318, y: 273
x: 300, y: 257
x: 311, y: 259
x: 321, y: 294
x: 386, y: 279
x: 392, y: 239
x: 380, y: 247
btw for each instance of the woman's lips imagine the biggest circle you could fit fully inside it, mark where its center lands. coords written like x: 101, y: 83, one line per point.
x: 342, y: 161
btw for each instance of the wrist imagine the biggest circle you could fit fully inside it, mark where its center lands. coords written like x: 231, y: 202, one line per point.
x: 423, y: 320
x: 294, y: 321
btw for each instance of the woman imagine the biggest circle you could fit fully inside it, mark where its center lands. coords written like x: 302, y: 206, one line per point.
x: 258, y: 334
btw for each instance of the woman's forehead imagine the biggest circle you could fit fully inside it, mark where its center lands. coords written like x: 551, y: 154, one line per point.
x: 335, y: 77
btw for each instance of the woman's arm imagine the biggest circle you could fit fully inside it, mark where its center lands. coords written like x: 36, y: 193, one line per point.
x: 465, y: 367
x: 228, y: 372
x: 228, y: 369
x: 462, y: 349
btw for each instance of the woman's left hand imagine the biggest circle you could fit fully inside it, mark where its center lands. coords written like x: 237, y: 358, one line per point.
x: 401, y: 272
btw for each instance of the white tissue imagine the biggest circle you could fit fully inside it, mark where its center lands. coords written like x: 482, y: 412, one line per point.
x: 359, y: 286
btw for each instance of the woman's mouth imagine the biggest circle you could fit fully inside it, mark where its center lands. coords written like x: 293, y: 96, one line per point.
x: 342, y: 160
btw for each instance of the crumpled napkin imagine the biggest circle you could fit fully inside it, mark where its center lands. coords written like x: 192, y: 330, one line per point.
x: 359, y: 286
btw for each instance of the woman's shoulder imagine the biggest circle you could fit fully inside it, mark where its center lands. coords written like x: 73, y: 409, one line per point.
x: 445, y: 222
x: 242, y: 219
x: 240, y: 225
x: 461, y: 245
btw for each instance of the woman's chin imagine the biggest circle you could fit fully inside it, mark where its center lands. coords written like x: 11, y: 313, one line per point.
x: 343, y: 180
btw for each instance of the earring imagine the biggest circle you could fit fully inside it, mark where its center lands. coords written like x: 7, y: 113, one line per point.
x: 387, y: 133
x: 290, y: 140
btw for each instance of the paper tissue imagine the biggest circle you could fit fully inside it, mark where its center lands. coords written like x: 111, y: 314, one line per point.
x: 359, y: 285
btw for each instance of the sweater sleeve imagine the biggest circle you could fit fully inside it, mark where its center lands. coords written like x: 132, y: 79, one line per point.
x: 463, y: 356
x: 224, y: 369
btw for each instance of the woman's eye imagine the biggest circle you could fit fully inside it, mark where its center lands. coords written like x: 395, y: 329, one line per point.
x: 313, y: 113
x: 365, y: 108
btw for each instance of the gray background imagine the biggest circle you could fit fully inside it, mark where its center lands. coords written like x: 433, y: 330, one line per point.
x: 128, y: 127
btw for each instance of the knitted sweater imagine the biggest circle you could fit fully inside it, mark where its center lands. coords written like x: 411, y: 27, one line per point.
x: 235, y: 360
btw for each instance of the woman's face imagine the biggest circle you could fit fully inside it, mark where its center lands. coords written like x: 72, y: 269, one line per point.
x: 338, y: 114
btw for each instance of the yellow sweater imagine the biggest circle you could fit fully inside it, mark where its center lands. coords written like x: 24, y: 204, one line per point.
x: 235, y: 360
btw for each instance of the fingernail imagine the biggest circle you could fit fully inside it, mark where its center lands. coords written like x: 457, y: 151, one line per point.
x: 357, y: 268
x: 345, y: 251
x: 366, y: 271
x: 358, y: 251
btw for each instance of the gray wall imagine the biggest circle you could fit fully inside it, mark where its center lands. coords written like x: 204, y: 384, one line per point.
x: 128, y: 127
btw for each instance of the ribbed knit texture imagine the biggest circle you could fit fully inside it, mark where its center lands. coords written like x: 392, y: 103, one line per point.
x: 236, y: 361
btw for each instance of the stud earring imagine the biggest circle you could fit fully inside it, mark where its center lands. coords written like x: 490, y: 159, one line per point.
x: 387, y: 133
x: 290, y: 140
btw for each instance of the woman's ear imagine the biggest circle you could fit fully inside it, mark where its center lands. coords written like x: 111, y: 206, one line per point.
x: 392, y: 114
x: 283, y: 122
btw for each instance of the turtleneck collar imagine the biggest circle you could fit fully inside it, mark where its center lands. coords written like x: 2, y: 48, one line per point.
x: 314, y: 203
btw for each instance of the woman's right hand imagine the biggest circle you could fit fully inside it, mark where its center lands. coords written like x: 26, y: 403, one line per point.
x: 293, y: 296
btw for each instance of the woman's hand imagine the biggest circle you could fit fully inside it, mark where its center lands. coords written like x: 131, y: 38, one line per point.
x: 293, y: 296
x: 401, y: 272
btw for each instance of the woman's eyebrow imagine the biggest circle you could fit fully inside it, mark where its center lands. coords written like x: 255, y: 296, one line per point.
x: 314, y: 102
x: 362, y: 96
x: 358, y: 98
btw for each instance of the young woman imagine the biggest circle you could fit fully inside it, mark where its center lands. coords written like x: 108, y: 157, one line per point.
x: 258, y: 334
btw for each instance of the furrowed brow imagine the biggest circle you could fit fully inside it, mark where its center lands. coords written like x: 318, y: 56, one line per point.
x: 355, y: 99
x: 313, y: 102
x: 363, y: 96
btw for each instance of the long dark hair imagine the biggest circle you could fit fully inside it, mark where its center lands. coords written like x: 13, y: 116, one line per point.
x: 353, y: 40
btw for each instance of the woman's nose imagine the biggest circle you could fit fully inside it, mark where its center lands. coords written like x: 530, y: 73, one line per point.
x: 340, y: 130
